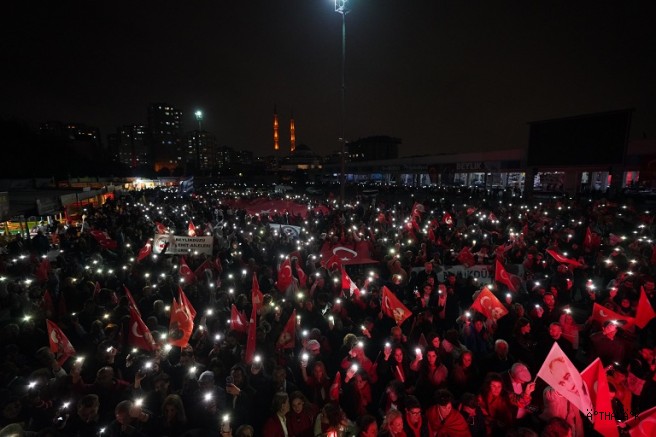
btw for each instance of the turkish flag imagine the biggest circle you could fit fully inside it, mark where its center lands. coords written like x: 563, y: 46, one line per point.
x: 160, y: 228
x: 348, y: 284
x: 191, y: 229
x: 217, y: 265
x: 643, y: 424
x: 185, y: 271
x: 564, y: 260
x: 139, y: 335
x: 250, y: 339
x: 501, y: 275
x: 333, y: 260
x: 237, y: 320
x: 595, y: 377
x: 431, y: 236
x: 285, y: 277
x: 465, y: 257
x: 103, y: 239
x: 181, y: 325
x: 144, y: 252
x: 587, y: 240
x: 257, y: 297
x: 489, y: 305
x: 199, y: 273
x: 48, y: 305
x: 559, y: 372
x: 418, y: 209
x: 185, y: 301
x: 42, y: 271
x: 59, y: 343
x: 393, y: 307
x: 447, y: 219
x: 302, y: 277
x: 601, y: 314
x: 131, y: 300
x: 287, y: 338
x: 644, y: 312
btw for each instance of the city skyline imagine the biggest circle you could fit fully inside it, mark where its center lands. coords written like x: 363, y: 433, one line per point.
x: 441, y: 76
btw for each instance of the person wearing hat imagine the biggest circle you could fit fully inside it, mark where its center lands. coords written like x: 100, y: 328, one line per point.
x: 517, y: 383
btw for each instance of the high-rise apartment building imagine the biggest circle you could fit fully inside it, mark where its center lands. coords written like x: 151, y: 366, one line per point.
x: 133, y: 149
x: 164, y: 135
x: 200, y: 150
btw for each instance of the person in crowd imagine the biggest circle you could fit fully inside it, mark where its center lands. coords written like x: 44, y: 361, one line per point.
x: 301, y: 416
x: 444, y: 419
x: 276, y: 424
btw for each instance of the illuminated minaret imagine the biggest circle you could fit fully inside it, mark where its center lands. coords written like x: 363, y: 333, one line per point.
x: 292, y: 134
x: 276, y: 143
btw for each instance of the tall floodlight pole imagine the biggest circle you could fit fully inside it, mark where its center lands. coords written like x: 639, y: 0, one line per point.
x: 341, y: 7
x: 199, y: 119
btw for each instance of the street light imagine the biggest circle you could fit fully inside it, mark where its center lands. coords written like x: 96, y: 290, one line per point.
x: 199, y: 119
x: 341, y: 7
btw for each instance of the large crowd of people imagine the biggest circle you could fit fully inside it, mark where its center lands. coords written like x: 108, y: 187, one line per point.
x: 72, y: 363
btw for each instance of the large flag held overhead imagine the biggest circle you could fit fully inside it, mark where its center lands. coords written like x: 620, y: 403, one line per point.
x: 501, y: 275
x: 250, y: 339
x: 392, y: 307
x: 185, y: 271
x: 348, y: 284
x: 559, y: 372
x: 285, y: 277
x: 131, y: 301
x: 257, y: 297
x: 185, y: 301
x: 145, y: 251
x: 595, y: 378
x: 563, y: 259
x: 103, y: 239
x: 181, y: 325
x: 287, y: 338
x: 601, y: 314
x: 237, y: 320
x: 139, y: 335
x: 59, y: 343
x: 489, y: 305
x: 644, y: 312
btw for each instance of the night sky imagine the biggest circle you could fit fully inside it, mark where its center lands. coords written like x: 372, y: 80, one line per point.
x: 443, y: 76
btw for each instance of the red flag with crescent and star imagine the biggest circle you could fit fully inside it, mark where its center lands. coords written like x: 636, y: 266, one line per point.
x: 595, y: 378
x: 59, y: 343
x: 185, y: 271
x: 237, y: 320
x: 139, y: 335
x: 501, y: 275
x: 489, y: 305
x: 285, y: 277
x: 644, y: 311
x: 252, y: 336
x: 393, y: 307
x: 145, y: 251
x: 257, y: 297
x: 184, y: 300
x: 447, y: 219
x: 348, y: 284
x: 181, y: 325
x: 191, y: 229
x: 601, y: 314
x: 563, y: 259
x: 133, y: 304
x: 287, y: 338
